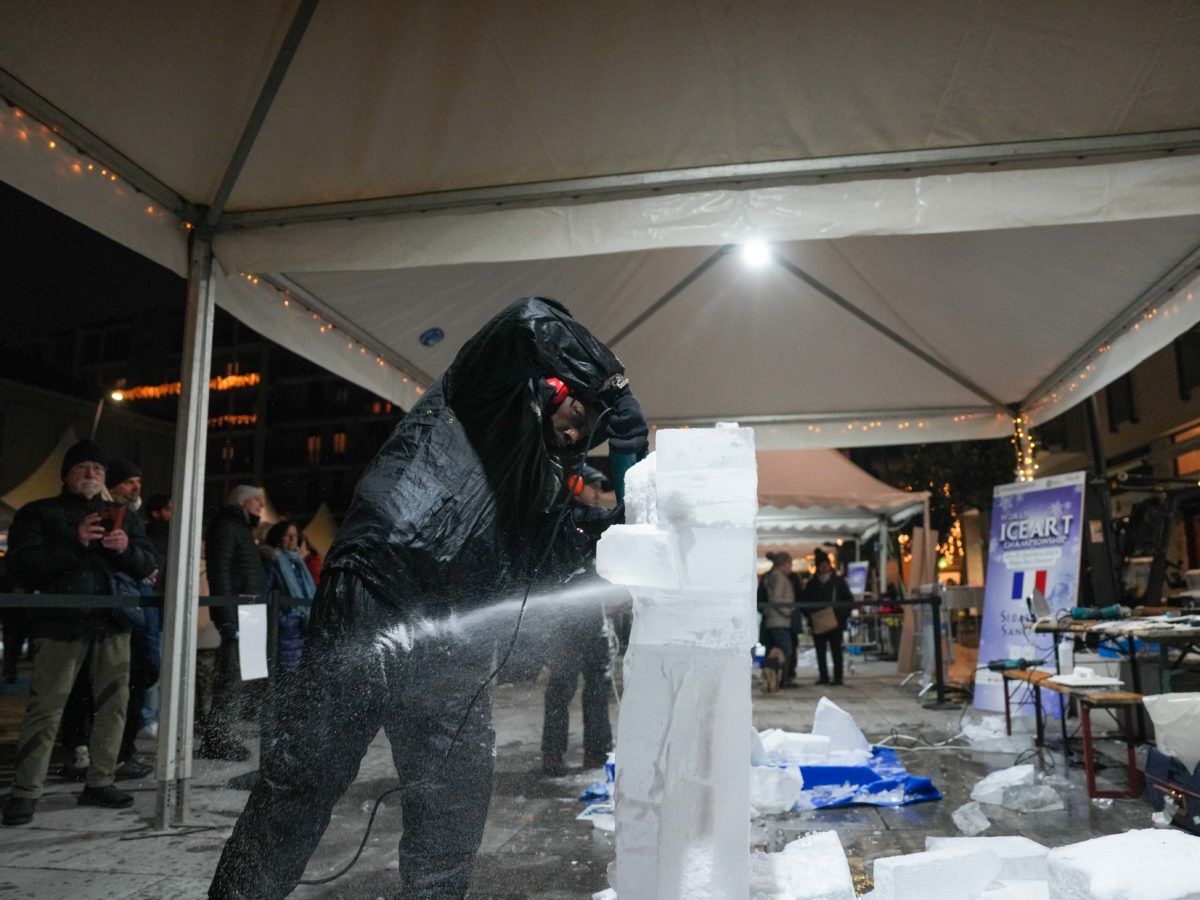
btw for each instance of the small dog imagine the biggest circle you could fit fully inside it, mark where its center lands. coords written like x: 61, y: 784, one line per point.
x: 773, y: 669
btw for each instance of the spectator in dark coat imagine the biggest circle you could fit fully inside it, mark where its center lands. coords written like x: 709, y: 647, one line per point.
x: 828, y: 588
x: 234, y: 567
x: 75, y: 543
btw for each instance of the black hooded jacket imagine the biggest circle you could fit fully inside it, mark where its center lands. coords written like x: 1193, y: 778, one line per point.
x: 458, y: 506
x: 44, y: 555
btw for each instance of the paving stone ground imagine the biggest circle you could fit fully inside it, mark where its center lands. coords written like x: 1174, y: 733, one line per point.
x: 533, y: 846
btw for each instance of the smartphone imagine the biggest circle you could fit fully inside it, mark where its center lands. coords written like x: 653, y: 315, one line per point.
x: 112, y: 519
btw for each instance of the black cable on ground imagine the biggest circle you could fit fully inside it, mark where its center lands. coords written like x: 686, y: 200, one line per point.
x: 487, y: 681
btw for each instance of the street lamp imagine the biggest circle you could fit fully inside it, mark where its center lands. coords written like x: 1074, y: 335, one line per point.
x: 116, y: 397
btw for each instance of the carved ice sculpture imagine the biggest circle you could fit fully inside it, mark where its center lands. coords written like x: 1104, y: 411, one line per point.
x: 687, y: 556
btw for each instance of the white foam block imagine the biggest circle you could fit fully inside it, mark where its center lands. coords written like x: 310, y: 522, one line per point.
x: 1148, y: 864
x: 1021, y: 859
x: 794, y: 747
x: 682, y: 790
x: 641, y: 494
x: 639, y: 556
x: 775, y: 789
x: 707, y: 476
x: 813, y: 867
x: 991, y: 788
x: 1017, y: 890
x: 835, y: 723
x: 958, y: 872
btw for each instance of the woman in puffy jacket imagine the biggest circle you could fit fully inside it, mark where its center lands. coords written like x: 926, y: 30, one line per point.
x: 288, y: 574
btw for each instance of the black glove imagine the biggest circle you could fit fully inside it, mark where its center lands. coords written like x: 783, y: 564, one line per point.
x: 593, y: 520
x: 627, y: 428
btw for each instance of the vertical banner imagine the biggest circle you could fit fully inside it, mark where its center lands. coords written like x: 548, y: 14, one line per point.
x: 856, y: 578
x: 1035, y: 543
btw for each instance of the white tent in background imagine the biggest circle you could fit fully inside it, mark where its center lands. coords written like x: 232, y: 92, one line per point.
x: 46, y: 479
x: 977, y: 213
x: 321, y: 529
x: 809, y: 497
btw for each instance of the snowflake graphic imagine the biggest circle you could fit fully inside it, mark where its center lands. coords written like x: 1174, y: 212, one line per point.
x: 1057, y: 508
x: 1006, y: 502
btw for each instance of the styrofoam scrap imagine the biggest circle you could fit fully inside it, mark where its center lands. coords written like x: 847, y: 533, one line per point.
x: 1032, y: 798
x: 1146, y: 864
x: 758, y: 753
x: 839, y: 726
x: 990, y: 789
x: 958, y: 872
x: 795, y: 747
x: 775, y: 790
x: 1021, y: 859
x: 812, y: 867
x: 969, y: 819
x: 1017, y: 890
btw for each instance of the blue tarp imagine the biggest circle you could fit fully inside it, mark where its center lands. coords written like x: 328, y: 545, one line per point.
x: 883, y: 781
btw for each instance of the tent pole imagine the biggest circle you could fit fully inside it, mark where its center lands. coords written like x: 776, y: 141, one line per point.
x: 883, y: 556
x: 670, y: 295
x: 174, y: 758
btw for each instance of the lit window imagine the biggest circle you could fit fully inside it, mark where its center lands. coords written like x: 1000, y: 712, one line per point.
x: 339, y: 443
x: 314, y: 449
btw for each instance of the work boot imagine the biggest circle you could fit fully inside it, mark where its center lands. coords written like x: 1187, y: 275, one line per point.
x: 18, y: 810
x: 553, y: 766
x: 132, y: 770
x: 109, y: 796
x: 594, y: 760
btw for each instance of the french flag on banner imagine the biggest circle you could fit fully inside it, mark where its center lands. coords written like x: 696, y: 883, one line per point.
x: 1024, y: 583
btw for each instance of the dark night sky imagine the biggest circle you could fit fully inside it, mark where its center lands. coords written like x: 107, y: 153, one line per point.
x: 57, y: 273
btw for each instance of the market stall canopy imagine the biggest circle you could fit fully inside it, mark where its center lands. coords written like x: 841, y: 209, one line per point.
x: 44, y: 481
x: 975, y: 210
x: 807, y: 497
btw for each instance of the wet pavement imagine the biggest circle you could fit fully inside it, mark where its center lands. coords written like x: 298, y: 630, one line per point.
x: 533, y: 846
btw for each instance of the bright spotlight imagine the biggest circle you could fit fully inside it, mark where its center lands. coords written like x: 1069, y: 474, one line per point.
x: 117, y: 396
x: 756, y: 254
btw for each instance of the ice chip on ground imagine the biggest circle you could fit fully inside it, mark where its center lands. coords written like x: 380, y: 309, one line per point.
x: 774, y: 790
x: 639, y: 556
x: 952, y: 872
x: 795, y: 747
x: 969, y: 819
x: 1021, y: 859
x: 1138, y: 865
x: 758, y: 753
x: 987, y: 734
x: 1032, y: 798
x: 1102, y: 803
x: 1017, y: 890
x: 991, y: 788
x: 813, y: 867
x: 606, y: 894
x: 835, y: 723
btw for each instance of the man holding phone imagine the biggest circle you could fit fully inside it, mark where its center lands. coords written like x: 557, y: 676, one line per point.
x: 74, y: 544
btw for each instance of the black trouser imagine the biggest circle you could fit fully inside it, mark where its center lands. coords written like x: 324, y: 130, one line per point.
x: 580, y: 650
x: 141, y: 677
x: 832, y: 640
x: 365, y: 669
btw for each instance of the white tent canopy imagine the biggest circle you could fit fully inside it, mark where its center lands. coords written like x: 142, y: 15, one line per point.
x: 977, y: 203
x: 978, y: 210
x: 810, y: 496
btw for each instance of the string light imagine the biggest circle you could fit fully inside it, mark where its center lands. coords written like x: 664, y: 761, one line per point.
x: 233, y: 420
x: 173, y: 388
x: 1024, y: 446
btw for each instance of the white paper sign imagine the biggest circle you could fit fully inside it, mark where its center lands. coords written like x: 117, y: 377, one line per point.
x: 252, y: 641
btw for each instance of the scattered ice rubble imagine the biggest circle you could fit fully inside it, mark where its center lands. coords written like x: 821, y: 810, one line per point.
x: 1148, y: 864
x: 1017, y: 788
x: 776, y: 785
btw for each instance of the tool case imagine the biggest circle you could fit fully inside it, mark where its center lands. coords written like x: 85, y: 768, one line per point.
x: 1167, y: 777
